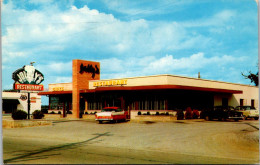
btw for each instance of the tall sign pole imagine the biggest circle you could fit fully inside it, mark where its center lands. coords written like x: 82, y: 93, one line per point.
x: 28, y: 79
x: 29, y: 105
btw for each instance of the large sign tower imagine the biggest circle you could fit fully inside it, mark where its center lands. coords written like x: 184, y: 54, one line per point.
x: 82, y: 72
x: 28, y: 79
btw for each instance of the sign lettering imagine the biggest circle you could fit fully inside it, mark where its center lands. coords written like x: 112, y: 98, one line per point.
x: 23, y: 97
x: 110, y: 83
x: 58, y: 89
x: 28, y: 75
x: 33, y: 99
x: 89, y: 69
x: 30, y: 87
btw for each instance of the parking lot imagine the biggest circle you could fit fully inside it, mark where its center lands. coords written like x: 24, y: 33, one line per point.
x: 176, y: 142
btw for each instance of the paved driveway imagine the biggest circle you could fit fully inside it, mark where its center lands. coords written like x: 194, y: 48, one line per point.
x: 189, y: 142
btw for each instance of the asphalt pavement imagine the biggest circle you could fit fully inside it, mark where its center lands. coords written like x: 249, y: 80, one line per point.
x: 179, y: 142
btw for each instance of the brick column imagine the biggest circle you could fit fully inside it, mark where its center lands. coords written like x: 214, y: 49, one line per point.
x: 82, y: 72
x: 75, y: 89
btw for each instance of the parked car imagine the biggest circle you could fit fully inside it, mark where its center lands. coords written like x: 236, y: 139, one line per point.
x: 112, y: 114
x: 222, y: 113
x: 248, y: 112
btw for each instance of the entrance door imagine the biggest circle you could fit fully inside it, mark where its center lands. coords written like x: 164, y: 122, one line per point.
x: 81, y: 107
x: 225, y: 102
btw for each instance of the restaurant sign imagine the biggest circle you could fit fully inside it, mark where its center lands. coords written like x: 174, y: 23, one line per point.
x: 110, y: 83
x: 28, y: 78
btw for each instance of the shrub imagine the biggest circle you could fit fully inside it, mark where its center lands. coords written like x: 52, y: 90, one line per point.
x: 180, y: 115
x: 157, y: 113
x: 139, y: 113
x: 52, y: 112
x: 38, y: 114
x: 19, y: 115
x: 188, y: 114
x: 44, y: 110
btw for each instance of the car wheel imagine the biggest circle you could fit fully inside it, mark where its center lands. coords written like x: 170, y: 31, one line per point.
x: 100, y: 122
x: 256, y: 118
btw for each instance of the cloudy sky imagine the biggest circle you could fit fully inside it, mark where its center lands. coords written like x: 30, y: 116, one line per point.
x: 131, y: 38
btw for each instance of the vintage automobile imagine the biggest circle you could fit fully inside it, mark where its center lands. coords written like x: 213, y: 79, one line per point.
x: 222, y: 113
x: 248, y: 112
x: 112, y: 114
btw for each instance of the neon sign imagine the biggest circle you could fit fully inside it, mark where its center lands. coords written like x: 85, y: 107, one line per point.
x: 28, y: 78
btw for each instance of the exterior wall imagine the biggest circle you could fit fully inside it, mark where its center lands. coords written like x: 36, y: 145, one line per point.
x: 137, y: 81
x: 23, y: 103
x: 249, y: 93
x: 60, y: 87
x: 177, y: 80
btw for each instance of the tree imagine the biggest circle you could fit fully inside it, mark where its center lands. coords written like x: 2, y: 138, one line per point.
x: 252, y: 77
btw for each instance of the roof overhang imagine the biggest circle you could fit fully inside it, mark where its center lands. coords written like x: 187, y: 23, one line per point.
x: 149, y: 87
x: 55, y: 93
x: 166, y: 87
x: 11, y: 101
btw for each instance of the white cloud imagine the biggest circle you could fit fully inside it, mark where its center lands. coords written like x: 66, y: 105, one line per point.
x: 55, y: 68
x: 135, y: 9
x: 40, y: 1
x: 169, y: 64
x: 150, y: 65
x: 130, y: 48
x: 85, y: 29
x: 222, y: 18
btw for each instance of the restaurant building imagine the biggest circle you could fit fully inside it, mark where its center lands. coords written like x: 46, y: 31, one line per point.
x: 157, y: 93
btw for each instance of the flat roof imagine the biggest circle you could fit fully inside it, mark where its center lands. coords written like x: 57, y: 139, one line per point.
x: 165, y: 75
x: 169, y: 75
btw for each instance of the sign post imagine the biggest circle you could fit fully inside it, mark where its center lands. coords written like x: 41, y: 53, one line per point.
x: 28, y: 79
x: 29, y: 104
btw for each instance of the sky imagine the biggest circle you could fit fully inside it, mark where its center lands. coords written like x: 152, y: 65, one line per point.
x: 131, y: 38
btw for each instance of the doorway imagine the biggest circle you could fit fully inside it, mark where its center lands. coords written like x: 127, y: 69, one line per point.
x: 225, y: 102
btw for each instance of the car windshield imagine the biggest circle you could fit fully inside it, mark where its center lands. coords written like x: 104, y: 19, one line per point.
x: 223, y: 108
x: 245, y: 108
x: 248, y: 107
x: 110, y: 110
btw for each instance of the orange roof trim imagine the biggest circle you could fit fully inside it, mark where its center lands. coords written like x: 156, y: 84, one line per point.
x: 150, y: 87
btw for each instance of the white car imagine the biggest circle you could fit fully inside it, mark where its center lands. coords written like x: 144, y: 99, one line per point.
x: 111, y: 114
x: 248, y: 112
